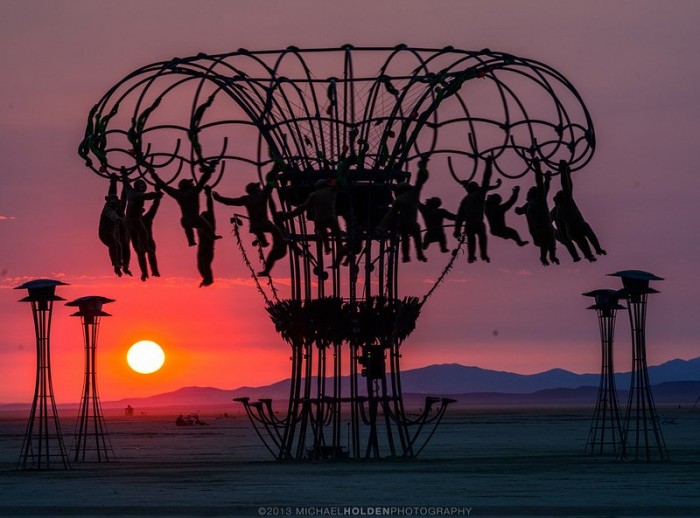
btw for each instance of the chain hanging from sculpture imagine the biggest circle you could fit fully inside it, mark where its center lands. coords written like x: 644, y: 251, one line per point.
x: 334, y: 137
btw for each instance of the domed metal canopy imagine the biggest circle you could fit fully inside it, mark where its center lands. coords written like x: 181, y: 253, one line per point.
x: 605, y: 299
x: 90, y: 305
x: 41, y: 290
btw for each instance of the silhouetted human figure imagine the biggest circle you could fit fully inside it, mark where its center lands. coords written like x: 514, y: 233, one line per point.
x: 321, y: 205
x: 256, y: 201
x: 187, y: 197
x: 404, y: 211
x: 434, y: 216
x: 205, y: 250
x: 495, y: 212
x: 568, y: 213
x: 470, y: 214
x: 560, y: 232
x: 148, y: 218
x: 112, y: 230
x: 539, y: 221
x: 136, y: 195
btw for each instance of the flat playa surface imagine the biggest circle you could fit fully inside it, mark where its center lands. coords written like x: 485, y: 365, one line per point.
x: 480, y: 463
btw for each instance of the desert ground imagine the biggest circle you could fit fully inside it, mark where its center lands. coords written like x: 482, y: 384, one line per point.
x: 497, y: 462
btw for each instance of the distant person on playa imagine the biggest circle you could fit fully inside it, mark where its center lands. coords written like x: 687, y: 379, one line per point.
x: 256, y: 201
x: 495, y: 212
x: 470, y: 214
x: 434, y: 216
x: 539, y: 221
x: 187, y: 197
x: 570, y: 217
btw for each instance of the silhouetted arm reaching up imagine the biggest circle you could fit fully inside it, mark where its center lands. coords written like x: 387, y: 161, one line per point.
x: 567, y: 185
x: 210, y: 205
x: 151, y: 213
x: 539, y: 180
x: 488, y: 173
x: 113, y: 182
x: 511, y: 201
x: 206, y: 175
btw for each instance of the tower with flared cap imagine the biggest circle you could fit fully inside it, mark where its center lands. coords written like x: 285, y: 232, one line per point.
x: 91, y: 441
x: 605, y: 434
x: 641, y: 437
x: 43, y: 446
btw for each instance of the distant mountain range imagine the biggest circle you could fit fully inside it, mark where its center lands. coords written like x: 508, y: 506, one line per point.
x: 676, y: 380
x: 673, y: 381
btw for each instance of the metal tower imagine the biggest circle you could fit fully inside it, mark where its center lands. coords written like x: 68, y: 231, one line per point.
x: 642, y: 437
x: 605, y: 435
x: 43, y: 446
x: 91, y: 440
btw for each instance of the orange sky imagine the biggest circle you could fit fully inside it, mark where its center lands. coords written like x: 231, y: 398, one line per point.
x: 221, y: 336
x: 636, y: 68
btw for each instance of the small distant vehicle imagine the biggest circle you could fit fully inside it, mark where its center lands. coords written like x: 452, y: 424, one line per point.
x: 189, y: 420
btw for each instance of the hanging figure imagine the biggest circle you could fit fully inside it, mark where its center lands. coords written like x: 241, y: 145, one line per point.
x: 321, y: 206
x: 187, y: 197
x: 539, y: 221
x: 495, y: 212
x: 404, y: 211
x: 471, y: 213
x: 205, y: 250
x: 112, y: 230
x: 434, y: 216
x: 148, y: 218
x: 574, y: 226
x: 256, y: 201
x: 136, y: 195
x: 560, y: 232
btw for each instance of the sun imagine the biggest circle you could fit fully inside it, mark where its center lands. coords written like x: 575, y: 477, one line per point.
x: 145, y: 357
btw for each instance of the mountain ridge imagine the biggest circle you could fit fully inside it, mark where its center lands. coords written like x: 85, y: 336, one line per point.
x: 450, y: 379
x: 447, y: 379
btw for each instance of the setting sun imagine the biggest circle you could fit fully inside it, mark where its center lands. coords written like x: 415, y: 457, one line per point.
x: 145, y: 357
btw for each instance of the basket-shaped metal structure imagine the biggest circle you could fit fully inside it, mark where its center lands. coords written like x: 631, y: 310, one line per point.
x: 363, y: 118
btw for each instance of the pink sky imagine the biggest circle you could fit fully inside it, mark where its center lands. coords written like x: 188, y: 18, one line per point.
x: 634, y: 62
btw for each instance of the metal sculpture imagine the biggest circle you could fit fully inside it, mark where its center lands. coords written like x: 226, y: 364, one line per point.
x: 357, y: 123
x: 641, y: 438
x: 43, y: 446
x: 91, y: 440
x: 605, y: 434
